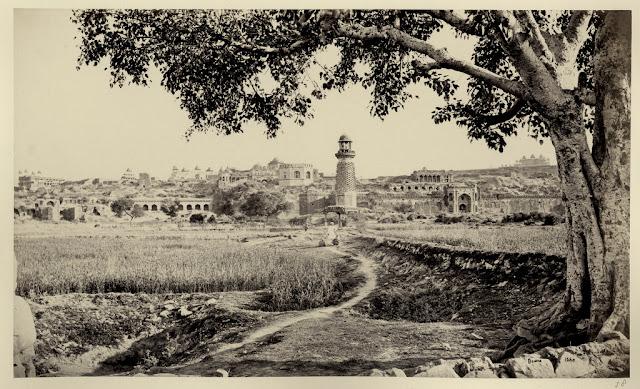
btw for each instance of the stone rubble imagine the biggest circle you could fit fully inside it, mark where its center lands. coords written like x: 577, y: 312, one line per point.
x: 609, y: 358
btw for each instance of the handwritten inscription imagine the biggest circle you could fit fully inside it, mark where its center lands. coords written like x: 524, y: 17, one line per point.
x: 620, y: 383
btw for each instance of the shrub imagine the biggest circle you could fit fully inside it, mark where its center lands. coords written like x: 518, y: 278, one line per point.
x: 68, y: 214
x: 403, y: 207
x: 121, y: 206
x: 550, y: 220
x: 298, y: 220
x: 447, y: 219
x: 170, y: 208
x: 547, y: 219
x: 197, y: 218
x: 211, y: 219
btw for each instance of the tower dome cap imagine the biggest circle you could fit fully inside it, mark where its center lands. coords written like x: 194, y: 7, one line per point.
x: 345, y: 138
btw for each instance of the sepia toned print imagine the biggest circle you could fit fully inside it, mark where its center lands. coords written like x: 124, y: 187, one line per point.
x: 390, y: 193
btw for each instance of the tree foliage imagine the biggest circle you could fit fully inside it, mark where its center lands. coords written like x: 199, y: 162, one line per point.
x: 170, y: 207
x: 122, y: 206
x: 232, y: 67
x: 264, y: 204
x: 136, y: 211
x: 249, y: 199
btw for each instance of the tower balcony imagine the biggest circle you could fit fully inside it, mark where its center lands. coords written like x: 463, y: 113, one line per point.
x: 345, y: 154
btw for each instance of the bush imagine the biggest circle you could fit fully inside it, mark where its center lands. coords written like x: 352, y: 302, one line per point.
x: 211, y: 219
x: 222, y: 219
x: 68, y: 214
x: 551, y: 220
x: 447, y: 219
x: 121, y: 206
x: 298, y: 221
x: 547, y: 219
x: 393, y: 219
x: 197, y: 218
x: 403, y: 207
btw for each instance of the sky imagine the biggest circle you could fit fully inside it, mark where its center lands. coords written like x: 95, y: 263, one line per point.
x: 70, y: 124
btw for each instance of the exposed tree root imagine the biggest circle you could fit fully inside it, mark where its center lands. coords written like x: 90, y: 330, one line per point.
x: 550, y: 325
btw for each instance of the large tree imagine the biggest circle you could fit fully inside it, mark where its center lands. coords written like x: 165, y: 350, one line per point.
x: 561, y: 76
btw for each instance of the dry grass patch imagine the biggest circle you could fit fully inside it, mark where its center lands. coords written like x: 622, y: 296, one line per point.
x: 152, y: 265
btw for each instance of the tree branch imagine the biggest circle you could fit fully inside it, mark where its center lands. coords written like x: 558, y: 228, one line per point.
x: 295, y: 46
x: 504, y: 116
x: 578, y: 25
x: 584, y: 96
x: 425, y: 67
x: 539, y: 39
x: 454, y: 20
x: 440, y: 56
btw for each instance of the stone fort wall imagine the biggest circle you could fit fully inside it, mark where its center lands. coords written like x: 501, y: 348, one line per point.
x: 519, y: 204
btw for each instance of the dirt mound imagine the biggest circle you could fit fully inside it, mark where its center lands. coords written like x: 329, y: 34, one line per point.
x: 423, y: 286
x: 193, y: 336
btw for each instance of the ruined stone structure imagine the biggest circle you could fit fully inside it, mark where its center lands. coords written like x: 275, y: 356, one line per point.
x: 185, y: 175
x: 312, y: 201
x: 532, y: 161
x: 144, y: 181
x: 505, y: 204
x: 128, y: 177
x: 437, y: 192
x: 296, y: 174
x: 416, y: 186
x: 35, y: 180
x: 461, y: 198
x: 186, y: 204
x: 346, y: 195
x: 228, y: 177
x: 425, y: 175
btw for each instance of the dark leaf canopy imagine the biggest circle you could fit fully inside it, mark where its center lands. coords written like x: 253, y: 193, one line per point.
x: 229, y: 68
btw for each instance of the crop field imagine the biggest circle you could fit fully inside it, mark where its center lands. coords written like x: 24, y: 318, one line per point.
x: 177, y: 264
x: 522, y: 239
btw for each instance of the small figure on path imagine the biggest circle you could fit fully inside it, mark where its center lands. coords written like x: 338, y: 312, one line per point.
x: 332, y: 234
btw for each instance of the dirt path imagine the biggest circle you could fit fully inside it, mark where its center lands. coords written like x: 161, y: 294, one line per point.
x: 367, y: 268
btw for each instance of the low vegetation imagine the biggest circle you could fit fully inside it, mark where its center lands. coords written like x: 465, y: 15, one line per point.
x: 512, y: 238
x: 154, y: 265
x: 547, y: 219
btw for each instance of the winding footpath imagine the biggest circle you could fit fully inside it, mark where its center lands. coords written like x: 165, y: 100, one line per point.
x: 367, y: 268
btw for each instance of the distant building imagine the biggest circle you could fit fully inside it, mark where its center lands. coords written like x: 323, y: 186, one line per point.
x: 187, y: 175
x: 532, y: 161
x: 297, y: 174
x: 128, y: 177
x: 144, y: 181
x: 344, y: 198
x: 229, y: 177
x: 461, y: 198
x: 431, y: 176
x: 346, y: 195
x: 35, y: 181
x: 263, y: 173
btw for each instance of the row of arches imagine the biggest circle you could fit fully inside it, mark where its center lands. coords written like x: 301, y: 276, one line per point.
x: 429, y: 178
x: 409, y: 187
x: 181, y: 207
x: 298, y: 174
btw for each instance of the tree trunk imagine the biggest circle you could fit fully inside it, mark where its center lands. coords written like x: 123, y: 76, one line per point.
x: 612, y: 75
x: 595, y: 190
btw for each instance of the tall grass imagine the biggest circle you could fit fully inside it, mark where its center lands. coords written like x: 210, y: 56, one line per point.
x: 521, y: 239
x: 152, y: 265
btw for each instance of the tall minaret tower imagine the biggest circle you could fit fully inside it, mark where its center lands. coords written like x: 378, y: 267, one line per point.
x: 345, y: 174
